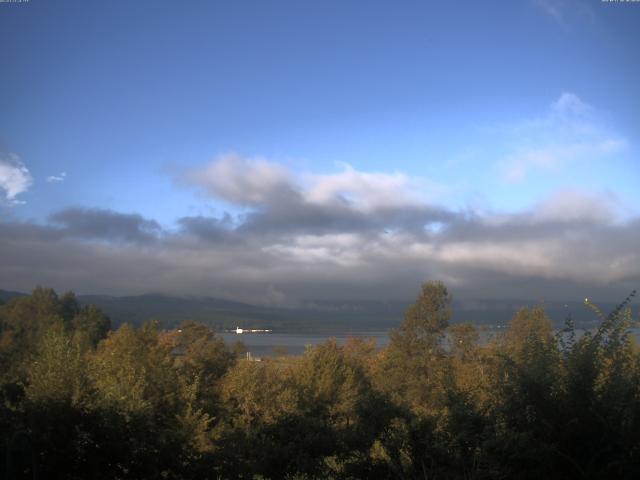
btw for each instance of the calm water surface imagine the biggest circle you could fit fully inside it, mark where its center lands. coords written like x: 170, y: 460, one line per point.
x: 266, y: 344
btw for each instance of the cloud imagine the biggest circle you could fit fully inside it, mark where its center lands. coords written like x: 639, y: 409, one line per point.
x: 105, y: 225
x: 14, y: 177
x: 246, y: 182
x: 56, y: 178
x: 347, y: 234
x: 575, y: 206
x: 212, y: 230
x: 571, y: 133
x: 570, y: 104
x: 364, y: 191
x: 280, y: 203
x: 569, y: 245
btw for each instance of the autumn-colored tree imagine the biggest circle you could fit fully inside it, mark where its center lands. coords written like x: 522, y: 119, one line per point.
x: 78, y: 400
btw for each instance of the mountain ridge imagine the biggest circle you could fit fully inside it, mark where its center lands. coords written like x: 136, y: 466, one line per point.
x: 330, y: 315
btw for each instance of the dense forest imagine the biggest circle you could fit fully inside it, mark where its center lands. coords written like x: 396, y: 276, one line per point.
x: 79, y: 400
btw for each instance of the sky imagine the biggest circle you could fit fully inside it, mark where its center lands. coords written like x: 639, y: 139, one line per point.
x: 277, y: 152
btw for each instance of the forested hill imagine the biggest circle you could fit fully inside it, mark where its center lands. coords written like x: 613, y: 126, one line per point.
x: 313, y: 315
x: 223, y: 314
x: 6, y: 295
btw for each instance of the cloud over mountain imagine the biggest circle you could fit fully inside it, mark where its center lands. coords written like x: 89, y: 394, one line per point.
x: 351, y: 235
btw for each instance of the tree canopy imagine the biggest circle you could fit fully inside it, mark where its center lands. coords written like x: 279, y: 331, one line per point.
x: 80, y: 400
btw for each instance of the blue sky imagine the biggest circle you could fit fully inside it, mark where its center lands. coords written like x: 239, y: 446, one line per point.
x: 488, y: 109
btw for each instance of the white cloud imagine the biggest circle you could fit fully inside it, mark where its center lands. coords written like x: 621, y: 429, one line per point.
x: 57, y: 178
x: 14, y: 177
x: 257, y: 182
x: 570, y: 133
x: 364, y: 191
x: 243, y: 181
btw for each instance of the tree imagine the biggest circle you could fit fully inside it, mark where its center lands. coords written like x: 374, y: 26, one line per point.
x: 57, y: 374
x: 600, y: 433
x: 90, y: 325
x: 56, y: 394
x: 138, y: 401
x: 69, y: 308
x: 424, y: 321
x: 29, y: 317
x: 463, y: 340
x: 200, y: 351
x: 412, y: 366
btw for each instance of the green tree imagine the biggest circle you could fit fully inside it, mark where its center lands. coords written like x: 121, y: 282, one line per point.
x: 424, y: 321
x: 138, y: 401
x: 599, y: 433
x: 56, y: 395
x: 27, y: 318
x: 200, y: 351
x: 57, y: 372
x: 339, y: 404
x: 412, y: 367
x: 69, y: 308
x: 90, y: 325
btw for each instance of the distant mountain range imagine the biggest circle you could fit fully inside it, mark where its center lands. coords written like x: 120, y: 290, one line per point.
x: 6, y: 295
x: 317, y: 315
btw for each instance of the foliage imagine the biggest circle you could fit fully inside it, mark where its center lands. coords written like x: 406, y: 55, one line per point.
x: 79, y: 400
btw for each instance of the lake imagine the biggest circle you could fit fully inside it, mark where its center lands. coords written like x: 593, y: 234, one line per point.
x: 265, y: 344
